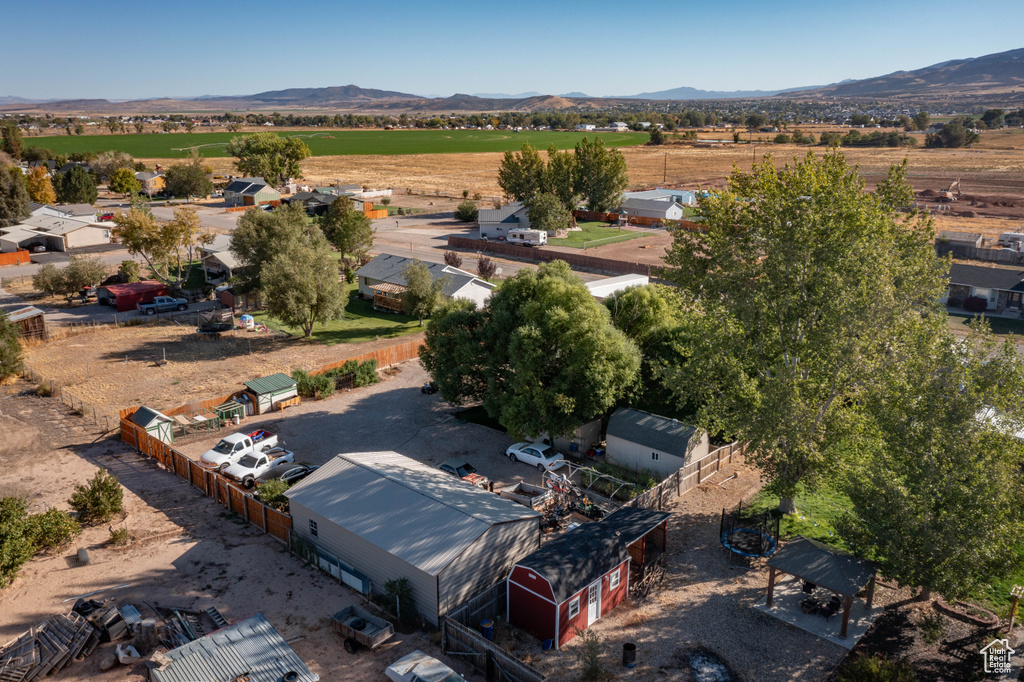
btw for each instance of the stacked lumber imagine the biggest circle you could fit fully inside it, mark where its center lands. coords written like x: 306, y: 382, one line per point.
x: 47, y: 647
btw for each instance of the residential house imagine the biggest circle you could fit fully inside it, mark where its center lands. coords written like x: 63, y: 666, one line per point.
x: 250, y: 192
x: 383, y: 281
x: 72, y: 164
x: 680, y: 196
x: 316, y: 203
x: 86, y: 212
x: 1002, y: 288
x: 496, y: 223
x: 64, y: 234
x: 586, y: 127
x: 371, y: 517
x: 579, y: 577
x: 153, y: 182
x: 650, y: 208
x: 219, y: 263
x: 608, y: 287
x: 20, y: 239
x: 642, y: 441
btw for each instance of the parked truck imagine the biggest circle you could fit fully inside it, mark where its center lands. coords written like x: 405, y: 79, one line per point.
x: 232, y: 448
x: 162, y: 304
x: 250, y: 467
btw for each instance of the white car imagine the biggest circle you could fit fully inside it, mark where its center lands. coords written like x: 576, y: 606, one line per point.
x: 542, y: 456
x: 418, y: 667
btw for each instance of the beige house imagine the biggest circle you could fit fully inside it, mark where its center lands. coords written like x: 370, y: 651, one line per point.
x: 642, y: 441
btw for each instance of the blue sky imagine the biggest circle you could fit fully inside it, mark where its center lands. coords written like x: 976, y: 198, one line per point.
x: 128, y: 50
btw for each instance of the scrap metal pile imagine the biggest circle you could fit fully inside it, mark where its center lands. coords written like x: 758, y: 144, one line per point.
x: 47, y: 648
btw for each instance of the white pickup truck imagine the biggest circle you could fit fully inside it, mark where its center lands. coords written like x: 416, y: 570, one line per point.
x: 232, y: 448
x: 252, y: 466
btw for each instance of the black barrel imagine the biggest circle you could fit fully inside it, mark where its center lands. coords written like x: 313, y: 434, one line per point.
x: 629, y: 654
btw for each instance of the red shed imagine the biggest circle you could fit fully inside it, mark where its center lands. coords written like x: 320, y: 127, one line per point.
x: 127, y: 296
x: 581, y: 576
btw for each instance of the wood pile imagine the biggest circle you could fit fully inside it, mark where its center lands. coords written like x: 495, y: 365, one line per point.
x: 47, y: 647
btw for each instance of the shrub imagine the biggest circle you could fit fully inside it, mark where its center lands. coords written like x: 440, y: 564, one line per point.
x: 303, y: 383
x: 465, y: 194
x: 365, y: 374
x: 15, y: 543
x: 119, y: 537
x: 271, y: 494
x: 399, y: 211
x: 486, y: 268
x: 129, y: 271
x: 975, y: 304
x: 401, y: 592
x: 588, y: 653
x: 52, y: 529
x: 876, y: 669
x: 476, y: 196
x: 467, y: 212
x: 99, y: 500
x: 386, y: 201
x: 453, y: 259
x: 782, y: 138
x: 44, y: 390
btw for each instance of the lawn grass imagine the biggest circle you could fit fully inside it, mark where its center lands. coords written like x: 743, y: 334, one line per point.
x: 999, y: 325
x: 591, y: 232
x: 331, y: 143
x: 816, y: 517
x: 361, y: 323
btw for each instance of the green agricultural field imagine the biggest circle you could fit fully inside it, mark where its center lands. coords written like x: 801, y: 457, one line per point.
x: 331, y: 143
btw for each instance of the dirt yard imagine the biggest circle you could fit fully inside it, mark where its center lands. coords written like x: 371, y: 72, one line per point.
x: 185, y: 550
x: 93, y: 366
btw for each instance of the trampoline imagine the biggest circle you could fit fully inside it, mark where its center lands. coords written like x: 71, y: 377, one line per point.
x: 749, y: 537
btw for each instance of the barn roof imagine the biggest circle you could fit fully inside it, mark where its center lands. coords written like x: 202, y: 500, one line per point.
x: 23, y: 314
x: 577, y: 559
x: 145, y: 416
x: 660, y: 205
x: 658, y: 433
x: 250, y: 649
x: 271, y: 384
x: 411, y: 510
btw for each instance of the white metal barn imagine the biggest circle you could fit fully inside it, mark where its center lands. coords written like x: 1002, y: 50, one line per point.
x: 390, y: 517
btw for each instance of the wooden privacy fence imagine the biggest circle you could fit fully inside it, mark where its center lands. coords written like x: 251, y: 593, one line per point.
x: 385, y: 357
x: 485, y: 656
x: 15, y: 258
x: 1004, y: 256
x: 530, y: 253
x: 487, y: 605
x: 687, y: 478
x: 275, y: 523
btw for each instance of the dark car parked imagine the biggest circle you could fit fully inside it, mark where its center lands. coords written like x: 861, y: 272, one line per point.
x: 289, y: 472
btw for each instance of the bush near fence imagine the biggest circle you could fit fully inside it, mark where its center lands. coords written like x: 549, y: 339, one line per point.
x: 529, y: 253
x: 687, y: 478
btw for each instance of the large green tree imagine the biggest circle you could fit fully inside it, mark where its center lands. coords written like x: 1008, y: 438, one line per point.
x: 168, y: 247
x: 938, y: 499
x: 10, y: 140
x: 921, y: 120
x: 800, y: 283
x: 547, y: 213
x: 521, y: 174
x: 14, y: 202
x: 188, y: 180
x: 542, y: 356
x: 10, y: 348
x: 123, y: 181
x: 600, y: 175
x: 301, y: 285
x: 561, y: 176
x: 423, y: 294
x: 349, y: 231
x: 261, y: 236
x: 76, y: 186
x: 270, y: 156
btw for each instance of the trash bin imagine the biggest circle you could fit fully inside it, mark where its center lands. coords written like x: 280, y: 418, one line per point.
x: 547, y: 644
x: 487, y: 628
x: 629, y: 654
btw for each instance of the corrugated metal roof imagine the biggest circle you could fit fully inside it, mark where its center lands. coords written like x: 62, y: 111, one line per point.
x: 505, y: 214
x: 271, y: 384
x: 646, y: 205
x: 659, y: 433
x: 23, y: 313
x: 249, y: 647
x: 412, y: 510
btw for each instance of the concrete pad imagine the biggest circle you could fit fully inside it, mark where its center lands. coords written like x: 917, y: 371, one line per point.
x: 786, y: 607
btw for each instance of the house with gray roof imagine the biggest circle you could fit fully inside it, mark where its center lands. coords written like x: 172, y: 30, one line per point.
x: 250, y: 192
x: 219, y: 264
x: 680, y: 196
x: 371, y: 517
x: 384, y: 278
x: 642, y: 441
x: 251, y: 650
x: 650, y: 208
x: 1002, y: 288
x: 495, y: 223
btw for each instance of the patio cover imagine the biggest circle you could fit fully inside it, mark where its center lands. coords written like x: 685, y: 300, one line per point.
x: 824, y: 566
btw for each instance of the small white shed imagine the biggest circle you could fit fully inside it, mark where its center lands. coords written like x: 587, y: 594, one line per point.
x: 156, y: 424
x: 641, y: 441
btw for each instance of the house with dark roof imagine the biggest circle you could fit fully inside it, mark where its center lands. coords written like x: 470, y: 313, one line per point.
x: 650, y: 208
x: 250, y: 192
x: 383, y: 281
x: 578, y: 578
x: 316, y: 203
x: 218, y: 262
x: 1002, y: 288
x: 371, y: 517
x: 496, y: 223
x: 642, y: 441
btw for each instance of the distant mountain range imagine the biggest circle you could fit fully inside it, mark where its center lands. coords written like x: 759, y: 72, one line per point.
x: 994, y: 77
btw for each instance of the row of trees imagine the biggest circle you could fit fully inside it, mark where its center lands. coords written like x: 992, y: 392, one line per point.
x: 591, y: 173
x: 837, y: 367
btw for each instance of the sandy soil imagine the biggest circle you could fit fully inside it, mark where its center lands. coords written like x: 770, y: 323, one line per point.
x: 185, y: 550
x: 93, y: 368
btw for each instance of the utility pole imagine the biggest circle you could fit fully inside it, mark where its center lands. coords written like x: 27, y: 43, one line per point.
x: 664, y: 177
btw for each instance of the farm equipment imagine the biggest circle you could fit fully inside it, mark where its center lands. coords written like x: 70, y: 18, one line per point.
x: 359, y: 628
x: 948, y: 195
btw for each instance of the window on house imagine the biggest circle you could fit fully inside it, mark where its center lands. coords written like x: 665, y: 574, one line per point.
x: 574, y: 607
x: 655, y: 457
x: 312, y: 528
x: 613, y: 582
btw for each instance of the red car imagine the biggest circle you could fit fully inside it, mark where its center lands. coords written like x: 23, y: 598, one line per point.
x: 106, y: 217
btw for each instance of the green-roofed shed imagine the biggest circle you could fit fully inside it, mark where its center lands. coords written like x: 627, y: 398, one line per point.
x: 270, y: 390
x: 156, y: 424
